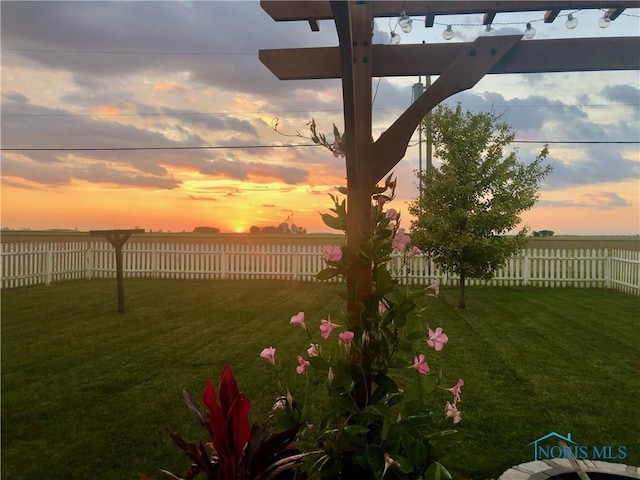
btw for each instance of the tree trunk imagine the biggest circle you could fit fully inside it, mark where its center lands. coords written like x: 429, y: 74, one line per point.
x: 461, y: 302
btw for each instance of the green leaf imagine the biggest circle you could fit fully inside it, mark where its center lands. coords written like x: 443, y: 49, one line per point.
x: 328, y: 273
x: 384, y: 281
x: 333, y: 222
x: 414, y: 328
x: 371, y: 458
x: 342, y: 190
x: 437, y: 472
x: 319, y: 362
x: 356, y: 429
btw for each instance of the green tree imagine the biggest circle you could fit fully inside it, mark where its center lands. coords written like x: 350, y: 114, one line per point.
x: 467, y: 207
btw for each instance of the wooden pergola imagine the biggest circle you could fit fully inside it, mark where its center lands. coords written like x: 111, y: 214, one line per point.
x: 459, y: 67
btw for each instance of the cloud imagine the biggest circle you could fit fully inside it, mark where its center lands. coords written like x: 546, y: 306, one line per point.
x: 599, y: 200
x: 244, y: 170
x: 203, y: 198
x: 621, y: 93
x: 599, y: 164
x: 56, y: 175
x: 156, y: 36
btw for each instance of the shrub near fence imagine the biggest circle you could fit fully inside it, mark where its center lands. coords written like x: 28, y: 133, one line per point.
x: 37, y: 263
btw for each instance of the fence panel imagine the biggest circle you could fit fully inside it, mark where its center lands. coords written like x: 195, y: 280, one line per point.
x: 24, y: 264
x: 625, y: 271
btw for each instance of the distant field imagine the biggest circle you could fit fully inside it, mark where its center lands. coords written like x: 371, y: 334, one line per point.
x: 309, y: 239
x: 563, y: 242
x: 571, y: 241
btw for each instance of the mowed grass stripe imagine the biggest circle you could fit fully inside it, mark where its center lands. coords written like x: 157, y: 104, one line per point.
x: 541, y: 360
x: 86, y: 392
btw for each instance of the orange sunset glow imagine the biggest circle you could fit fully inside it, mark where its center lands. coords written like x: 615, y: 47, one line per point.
x: 174, y: 132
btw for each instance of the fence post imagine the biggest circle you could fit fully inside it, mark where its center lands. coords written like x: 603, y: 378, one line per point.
x: 48, y: 266
x: 526, y: 269
x: 224, y: 259
x: 154, y: 260
x: 88, y: 262
x: 607, y: 269
x: 296, y: 255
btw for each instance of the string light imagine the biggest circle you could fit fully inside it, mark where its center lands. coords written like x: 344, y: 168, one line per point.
x: 448, y: 33
x: 572, y: 22
x: 489, y: 31
x: 605, y: 21
x: 530, y: 32
x: 405, y: 22
x: 406, y: 25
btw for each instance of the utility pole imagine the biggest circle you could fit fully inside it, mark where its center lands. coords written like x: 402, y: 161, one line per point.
x: 416, y: 91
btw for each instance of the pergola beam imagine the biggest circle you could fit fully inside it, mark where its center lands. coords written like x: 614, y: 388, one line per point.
x: 463, y: 73
x: 488, y: 18
x: 321, y: 9
x: 615, y: 13
x: 551, y: 15
x: 571, y: 55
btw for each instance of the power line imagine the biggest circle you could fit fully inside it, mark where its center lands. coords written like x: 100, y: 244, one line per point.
x: 299, y: 145
x: 186, y: 114
x: 116, y: 149
x: 113, y: 52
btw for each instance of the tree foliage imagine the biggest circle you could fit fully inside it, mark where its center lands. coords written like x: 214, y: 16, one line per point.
x: 467, y: 207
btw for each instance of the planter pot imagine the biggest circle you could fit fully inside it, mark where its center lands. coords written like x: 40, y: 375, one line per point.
x: 561, y: 469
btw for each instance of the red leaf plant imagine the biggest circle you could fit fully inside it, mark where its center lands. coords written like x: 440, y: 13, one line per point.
x: 240, y: 451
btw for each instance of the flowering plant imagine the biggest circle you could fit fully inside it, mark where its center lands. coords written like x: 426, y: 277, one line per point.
x: 237, y: 451
x: 377, y: 424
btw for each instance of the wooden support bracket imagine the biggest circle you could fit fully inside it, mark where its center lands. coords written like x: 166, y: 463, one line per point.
x: 463, y: 73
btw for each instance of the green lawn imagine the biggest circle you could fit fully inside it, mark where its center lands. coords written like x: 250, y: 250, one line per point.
x: 87, y: 393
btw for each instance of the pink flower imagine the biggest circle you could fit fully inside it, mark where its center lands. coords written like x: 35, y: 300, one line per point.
x: 382, y: 308
x: 415, y: 251
x: 381, y: 202
x: 392, y: 214
x: 388, y: 462
x: 437, y: 339
x: 435, y: 286
x: 269, y: 354
x: 302, y: 365
x: 345, y: 339
x: 330, y: 375
x: 326, y: 326
x: 332, y: 253
x: 420, y: 365
x: 313, y: 350
x: 280, y: 404
x: 452, y: 411
x: 298, y: 319
x: 456, y: 390
x: 401, y: 240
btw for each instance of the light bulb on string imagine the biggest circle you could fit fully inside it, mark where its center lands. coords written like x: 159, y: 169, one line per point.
x: 395, y: 38
x: 489, y: 31
x: 571, y: 23
x: 448, y: 33
x: 405, y: 22
x: 605, y: 21
x: 530, y: 32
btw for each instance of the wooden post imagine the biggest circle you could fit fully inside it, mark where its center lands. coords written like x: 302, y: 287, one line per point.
x: 118, y: 238
x: 353, y: 23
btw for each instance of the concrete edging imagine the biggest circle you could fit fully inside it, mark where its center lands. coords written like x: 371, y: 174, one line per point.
x: 543, y: 469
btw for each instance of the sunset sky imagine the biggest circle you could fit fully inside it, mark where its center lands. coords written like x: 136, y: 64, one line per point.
x: 108, y: 75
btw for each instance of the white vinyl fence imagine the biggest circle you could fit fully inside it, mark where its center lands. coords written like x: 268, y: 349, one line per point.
x: 36, y: 263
